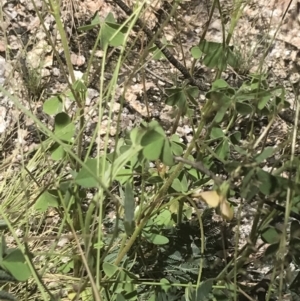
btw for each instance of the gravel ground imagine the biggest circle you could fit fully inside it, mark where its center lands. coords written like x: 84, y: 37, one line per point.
x: 24, y: 47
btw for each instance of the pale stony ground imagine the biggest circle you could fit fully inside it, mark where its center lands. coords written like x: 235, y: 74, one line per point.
x: 253, y: 34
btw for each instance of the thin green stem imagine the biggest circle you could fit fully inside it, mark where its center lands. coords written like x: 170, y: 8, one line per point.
x: 55, y: 7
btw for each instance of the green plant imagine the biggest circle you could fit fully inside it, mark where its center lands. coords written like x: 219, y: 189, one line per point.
x: 147, y: 232
x: 13, y: 265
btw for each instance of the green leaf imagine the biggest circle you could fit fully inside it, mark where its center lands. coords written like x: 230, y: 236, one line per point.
x: 255, y: 86
x: 176, y: 185
x: 16, y: 265
x: 184, y: 183
x: 155, y: 180
x: 120, y: 162
x: 222, y: 150
x: 120, y: 297
x: 173, y: 91
x: 124, y: 284
x: 240, y: 150
x: 192, y: 91
x: 153, y: 151
x: 149, y: 225
x: 245, y: 95
x: 110, y: 18
x: 111, y: 33
x: 247, y: 187
x: 153, y: 298
x: 270, y: 235
x: 124, y: 175
x: 268, y: 182
x: 188, y: 110
x: 232, y: 59
x: 96, y: 166
x: 264, y: 97
x: 235, y: 138
x: 204, y: 289
x: 156, y: 239
x: 219, y: 84
x: 154, y: 124
x: 163, y: 218
x: 109, y: 269
x: 69, y: 94
x: 57, y: 153
x: 271, y: 250
x: 243, y: 108
x: 64, y: 128
x: 177, y: 98
x: 79, y: 89
x: 216, y: 133
x: 167, y: 155
x: 221, y: 102
x: 99, y: 245
x: 266, y: 153
x: 64, y: 186
x: 175, y: 138
x: 165, y: 284
x: 296, y: 204
x: 220, y: 114
x: 219, y: 98
x: 196, y: 52
x: 129, y: 207
x: 79, y: 86
x: 66, y: 267
x: 151, y: 136
x: 215, y: 59
x: 3, y: 248
x: 136, y: 135
x: 209, y: 47
x: 177, y: 149
x: 46, y: 200
x: 53, y: 105
x: 189, y: 292
x: 3, y: 225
